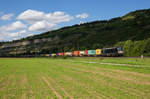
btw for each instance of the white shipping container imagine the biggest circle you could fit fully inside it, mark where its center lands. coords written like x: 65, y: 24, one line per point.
x: 53, y: 55
x: 81, y: 53
x: 68, y: 54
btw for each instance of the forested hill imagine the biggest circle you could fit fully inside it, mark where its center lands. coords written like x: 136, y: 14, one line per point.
x: 131, y: 31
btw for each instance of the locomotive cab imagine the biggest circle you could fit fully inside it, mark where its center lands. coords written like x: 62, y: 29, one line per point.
x: 120, y: 51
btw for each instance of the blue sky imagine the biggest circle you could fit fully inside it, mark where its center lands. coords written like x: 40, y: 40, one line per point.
x: 21, y: 18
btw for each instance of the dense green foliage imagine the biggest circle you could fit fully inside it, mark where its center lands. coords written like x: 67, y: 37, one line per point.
x: 136, y: 48
x: 76, y: 78
x: 133, y: 27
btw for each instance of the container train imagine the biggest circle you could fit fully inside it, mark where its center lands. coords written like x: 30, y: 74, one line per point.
x: 108, y: 52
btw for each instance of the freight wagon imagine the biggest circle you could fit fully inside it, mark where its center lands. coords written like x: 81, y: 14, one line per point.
x: 47, y: 55
x: 53, y: 55
x: 61, y: 54
x: 81, y: 53
x: 91, y: 52
x: 68, y: 54
x: 76, y: 53
x: 114, y: 51
x: 98, y: 52
x: 86, y: 53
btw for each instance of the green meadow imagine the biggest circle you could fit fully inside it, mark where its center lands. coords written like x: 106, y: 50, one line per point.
x: 74, y: 78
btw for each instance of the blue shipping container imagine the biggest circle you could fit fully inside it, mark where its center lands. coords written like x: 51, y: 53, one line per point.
x: 91, y: 52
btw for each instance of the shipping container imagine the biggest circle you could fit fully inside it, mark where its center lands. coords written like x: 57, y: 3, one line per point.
x: 86, y: 52
x: 92, y: 52
x: 81, y: 53
x: 61, y: 54
x: 98, y: 51
x: 47, y: 55
x: 68, y: 54
x: 76, y: 53
x: 53, y: 55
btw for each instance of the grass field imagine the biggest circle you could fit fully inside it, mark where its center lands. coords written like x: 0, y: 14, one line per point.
x: 75, y: 78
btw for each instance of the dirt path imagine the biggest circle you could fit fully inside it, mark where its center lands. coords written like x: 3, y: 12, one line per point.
x: 123, y: 79
x: 53, y: 81
x: 119, y: 86
x: 117, y: 77
x: 137, y: 78
x: 133, y: 77
x: 131, y: 73
x: 23, y: 84
x: 116, y: 64
x: 24, y: 96
x: 90, y: 91
x: 31, y: 92
x: 5, y: 84
x: 47, y: 82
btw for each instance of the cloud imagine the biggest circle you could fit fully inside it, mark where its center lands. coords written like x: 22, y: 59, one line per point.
x: 16, y: 29
x: 31, y: 22
x: 33, y: 16
x: 8, y: 36
x: 30, y: 34
x: 7, y: 16
x: 42, y: 26
x: 41, y: 21
x: 82, y: 16
x: 14, y: 26
x: 58, y: 17
x: 2, y: 38
x: 17, y: 34
x: 1, y: 13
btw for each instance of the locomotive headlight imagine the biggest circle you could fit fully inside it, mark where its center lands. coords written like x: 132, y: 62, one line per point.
x: 120, y: 52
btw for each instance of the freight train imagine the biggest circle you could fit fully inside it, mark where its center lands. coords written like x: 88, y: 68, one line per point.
x: 108, y: 52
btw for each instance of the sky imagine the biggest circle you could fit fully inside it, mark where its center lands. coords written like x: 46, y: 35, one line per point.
x: 23, y: 18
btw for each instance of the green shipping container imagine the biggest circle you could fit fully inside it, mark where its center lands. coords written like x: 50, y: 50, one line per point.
x: 91, y: 52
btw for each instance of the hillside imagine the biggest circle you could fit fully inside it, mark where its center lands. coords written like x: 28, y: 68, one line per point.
x: 133, y: 27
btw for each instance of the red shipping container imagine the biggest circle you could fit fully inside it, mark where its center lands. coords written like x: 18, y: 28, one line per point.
x: 61, y: 54
x: 86, y: 52
x: 76, y: 53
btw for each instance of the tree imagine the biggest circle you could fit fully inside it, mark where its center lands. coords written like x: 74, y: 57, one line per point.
x: 128, y: 46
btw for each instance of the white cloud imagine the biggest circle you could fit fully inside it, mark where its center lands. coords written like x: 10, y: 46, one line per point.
x: 14, y: 26
x: 42, y: 26
x: 33, y: 22
x: 7, y: 16
x: 58, y: 17
x: 30, y: 34
x: 16, y: 29
x: 41, y: 21
x: 1, y: 13
x: 82, y: 16
x: 2, y: 38
x: 17, y: 34
x: 5, y: 36
x: 58, y: 13
x: 13, y: 35
x: 33, y: 16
